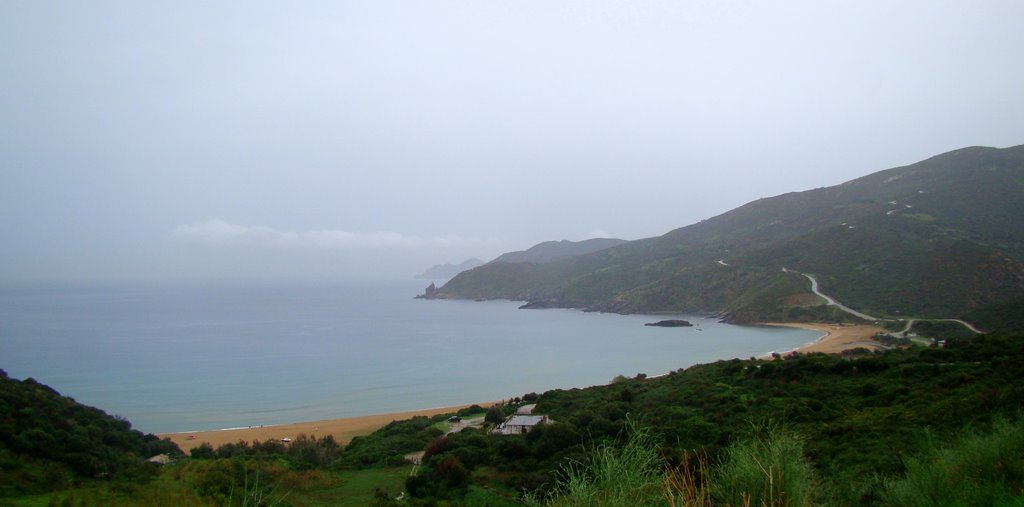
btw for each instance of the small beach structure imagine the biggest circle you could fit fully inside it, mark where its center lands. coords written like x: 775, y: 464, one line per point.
x: 160, y: 459
x: 519, y: 424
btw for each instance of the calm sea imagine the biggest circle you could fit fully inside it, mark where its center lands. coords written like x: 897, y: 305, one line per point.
x: 181, y: 358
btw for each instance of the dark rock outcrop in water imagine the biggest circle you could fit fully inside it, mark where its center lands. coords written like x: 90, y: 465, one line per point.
x: 429, y: 293
x: 670, y: 323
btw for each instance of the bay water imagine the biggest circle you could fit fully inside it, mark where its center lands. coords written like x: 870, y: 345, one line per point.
x: 175, y: 358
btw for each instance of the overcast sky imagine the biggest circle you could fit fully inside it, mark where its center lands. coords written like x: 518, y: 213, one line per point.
x: 328, y: 140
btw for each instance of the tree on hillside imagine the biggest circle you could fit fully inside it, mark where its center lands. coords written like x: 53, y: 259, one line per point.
x: 495, y: 415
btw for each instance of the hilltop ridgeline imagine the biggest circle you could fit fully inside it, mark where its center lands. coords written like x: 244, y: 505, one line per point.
x: 550, y: 251
x: 938, y: 238
x: 447, y: 271
x: 540, y: 253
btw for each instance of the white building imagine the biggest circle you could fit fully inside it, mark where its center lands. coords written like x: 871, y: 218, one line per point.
x: 519, y: 424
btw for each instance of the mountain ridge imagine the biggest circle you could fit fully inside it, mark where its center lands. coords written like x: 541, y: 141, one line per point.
x: 447, y: 271
x: 550, y: 251
x: 940, y: 237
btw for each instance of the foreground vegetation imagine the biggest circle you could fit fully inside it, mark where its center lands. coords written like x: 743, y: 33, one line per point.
x: 770, y: 469
x: 857, y: 418
x: 923, y: 426
x: 50, y: 442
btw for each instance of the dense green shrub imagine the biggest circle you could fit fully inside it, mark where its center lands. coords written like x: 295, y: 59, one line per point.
x: 982, y: 469
x: 52, y: 439
x: 495, y: 415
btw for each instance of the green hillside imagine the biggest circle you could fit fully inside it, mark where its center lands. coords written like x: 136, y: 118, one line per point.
x: 939, y: 238
x: 49, y: 442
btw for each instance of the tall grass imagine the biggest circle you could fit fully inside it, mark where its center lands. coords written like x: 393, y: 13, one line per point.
x: 979, y: 469
x: 685, y: 486
x: 765, y: 470
x: 626, y: 476
x: 255, y: 494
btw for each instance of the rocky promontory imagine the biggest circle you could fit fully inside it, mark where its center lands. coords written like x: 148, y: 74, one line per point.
x: 429, y: 293
x: 541, y: 304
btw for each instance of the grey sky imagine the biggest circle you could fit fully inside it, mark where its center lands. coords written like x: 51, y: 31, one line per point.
x: 186, y: 140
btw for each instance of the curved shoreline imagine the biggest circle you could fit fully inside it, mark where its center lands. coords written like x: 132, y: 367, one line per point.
x: 835, y: 339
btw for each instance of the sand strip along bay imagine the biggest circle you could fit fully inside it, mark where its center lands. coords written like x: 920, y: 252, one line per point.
x: 838, y: 337
x: 343, y: 429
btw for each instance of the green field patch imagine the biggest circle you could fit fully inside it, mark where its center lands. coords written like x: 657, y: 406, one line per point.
x: 355, y: 488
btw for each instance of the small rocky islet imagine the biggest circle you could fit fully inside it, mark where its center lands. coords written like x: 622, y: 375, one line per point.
x: 670, y: 323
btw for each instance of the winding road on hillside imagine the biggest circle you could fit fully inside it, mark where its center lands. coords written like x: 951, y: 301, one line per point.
x: 965, y: 324
x: 851, y: 311
x: 910, y: 324
x: 833, y: 302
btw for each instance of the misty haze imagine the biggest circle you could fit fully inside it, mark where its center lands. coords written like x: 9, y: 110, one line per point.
x: 402, y: 253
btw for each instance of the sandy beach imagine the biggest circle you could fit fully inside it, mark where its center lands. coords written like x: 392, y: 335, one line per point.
x: 838, y: 337
x: 343, y: 429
